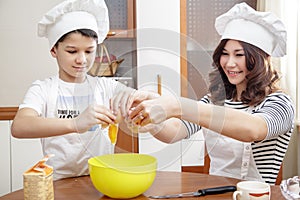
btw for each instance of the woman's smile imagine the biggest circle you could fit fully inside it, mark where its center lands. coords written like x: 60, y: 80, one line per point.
x: 234, y: 73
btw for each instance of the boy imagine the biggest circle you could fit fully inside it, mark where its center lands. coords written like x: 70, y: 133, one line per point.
x: 66, y: 110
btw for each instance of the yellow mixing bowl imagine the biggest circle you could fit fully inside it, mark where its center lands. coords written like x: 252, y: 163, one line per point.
x: 123, y: 175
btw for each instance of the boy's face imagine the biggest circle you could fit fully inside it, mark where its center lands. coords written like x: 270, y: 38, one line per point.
x: 75, y: 55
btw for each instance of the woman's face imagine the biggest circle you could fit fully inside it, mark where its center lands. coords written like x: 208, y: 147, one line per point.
x: 75, y: 55
x: 233, y: 62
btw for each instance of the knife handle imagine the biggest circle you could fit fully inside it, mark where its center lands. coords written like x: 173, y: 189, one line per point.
x: 217, y: 190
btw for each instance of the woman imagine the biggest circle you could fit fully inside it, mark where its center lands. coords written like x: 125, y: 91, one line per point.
x: 247, y: 119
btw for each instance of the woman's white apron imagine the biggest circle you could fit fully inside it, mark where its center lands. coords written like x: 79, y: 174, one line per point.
x: 230, y: 157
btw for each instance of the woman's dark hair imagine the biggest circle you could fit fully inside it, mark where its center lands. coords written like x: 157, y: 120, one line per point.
x: 261, y: 81
x: 85, y: 32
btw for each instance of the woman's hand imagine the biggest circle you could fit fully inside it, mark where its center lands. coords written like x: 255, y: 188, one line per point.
x: 125, y: 100
x: 92, y: 115
x: 121, y: 101
x: 154, y: 111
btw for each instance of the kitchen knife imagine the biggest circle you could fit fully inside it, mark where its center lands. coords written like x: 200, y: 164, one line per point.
x: 201, y: 192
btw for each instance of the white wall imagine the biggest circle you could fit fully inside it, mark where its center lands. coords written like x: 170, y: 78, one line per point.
x: 158, y: 53
x: 24, y: 56
x: 158, y: 44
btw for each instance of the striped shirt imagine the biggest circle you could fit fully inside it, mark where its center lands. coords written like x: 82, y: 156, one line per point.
x: 278, y: 111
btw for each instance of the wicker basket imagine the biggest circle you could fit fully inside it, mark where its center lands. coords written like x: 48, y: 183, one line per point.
x: 104, y: 65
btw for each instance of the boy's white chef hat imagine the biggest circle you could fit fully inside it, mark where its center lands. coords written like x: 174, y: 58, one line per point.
x: 74, y: 14
x: 261, y: 29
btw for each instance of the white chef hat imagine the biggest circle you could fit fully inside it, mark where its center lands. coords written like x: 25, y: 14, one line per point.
x: 261, y: 29
x: 74, y: 14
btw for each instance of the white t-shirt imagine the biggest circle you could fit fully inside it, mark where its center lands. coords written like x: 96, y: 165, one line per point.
x: 53, y: 97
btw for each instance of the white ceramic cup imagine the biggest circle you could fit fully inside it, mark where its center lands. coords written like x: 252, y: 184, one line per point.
x: 252, y: 190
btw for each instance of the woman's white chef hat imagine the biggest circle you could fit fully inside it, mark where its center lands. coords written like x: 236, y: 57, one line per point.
x: 74, y: 14
x: 261, y: 29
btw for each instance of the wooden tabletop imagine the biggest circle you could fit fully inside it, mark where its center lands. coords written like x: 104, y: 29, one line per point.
x: 165, y: 183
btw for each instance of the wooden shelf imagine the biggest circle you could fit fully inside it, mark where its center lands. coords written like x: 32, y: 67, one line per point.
x: 121, y: 34
x: 8, y: 113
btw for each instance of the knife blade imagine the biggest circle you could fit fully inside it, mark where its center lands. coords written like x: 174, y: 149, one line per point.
x: 201, y: 192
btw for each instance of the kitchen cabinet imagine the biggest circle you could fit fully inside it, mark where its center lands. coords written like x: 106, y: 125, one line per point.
x: 17, y: 156
x: 24, y: 154
x: 5, y: 167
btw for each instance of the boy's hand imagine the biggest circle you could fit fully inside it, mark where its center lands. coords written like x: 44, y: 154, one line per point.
x: 92, y: 115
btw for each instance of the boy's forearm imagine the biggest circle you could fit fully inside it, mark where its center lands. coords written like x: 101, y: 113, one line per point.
x: 38, y: 127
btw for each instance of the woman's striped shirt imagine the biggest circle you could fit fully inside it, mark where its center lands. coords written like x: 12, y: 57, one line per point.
x: 278, y: 111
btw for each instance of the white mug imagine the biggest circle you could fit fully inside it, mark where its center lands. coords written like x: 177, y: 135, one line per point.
x: 252, y: 190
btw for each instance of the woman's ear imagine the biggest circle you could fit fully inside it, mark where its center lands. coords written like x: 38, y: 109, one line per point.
x: 53, y: 52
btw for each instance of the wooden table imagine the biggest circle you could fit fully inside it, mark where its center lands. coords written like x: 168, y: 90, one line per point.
x: 165, y: 183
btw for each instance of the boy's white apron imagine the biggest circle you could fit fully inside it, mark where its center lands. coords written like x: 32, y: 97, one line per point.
x: 73, y: 150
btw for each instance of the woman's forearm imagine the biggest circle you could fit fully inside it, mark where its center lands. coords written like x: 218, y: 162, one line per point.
x: 229, y: 122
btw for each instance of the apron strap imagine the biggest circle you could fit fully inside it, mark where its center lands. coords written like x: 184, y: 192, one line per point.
x: 52, y: 97
x: 93, y: 81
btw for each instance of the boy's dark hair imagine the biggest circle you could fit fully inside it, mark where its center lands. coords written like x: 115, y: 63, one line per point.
x: 261, y: 81
x: 85, y: 32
